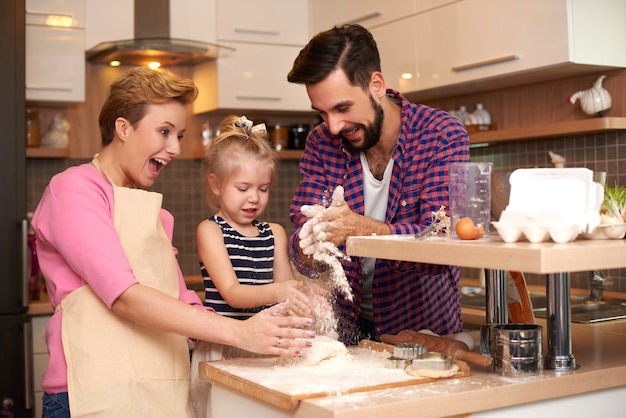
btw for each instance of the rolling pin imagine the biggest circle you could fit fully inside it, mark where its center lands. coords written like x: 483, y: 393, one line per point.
x: 455, y: 349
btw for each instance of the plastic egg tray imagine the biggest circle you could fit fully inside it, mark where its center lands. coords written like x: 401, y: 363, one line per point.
x: 555, y: 204
x: 606, y: 231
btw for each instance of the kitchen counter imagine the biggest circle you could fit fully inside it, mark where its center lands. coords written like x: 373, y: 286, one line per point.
x: 43, y: 307
x: 553, y: 260
x: 493, y: 253
x: 596, y: 388
x: 40, y: 307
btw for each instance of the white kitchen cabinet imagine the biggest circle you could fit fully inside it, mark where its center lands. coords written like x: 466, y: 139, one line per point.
x: 269, y: 21
x: 368, y: 13
x: 98, y: 17
x: 479, y: 40
x: 40, y: 358
x: 193, y: 19
x: 189, y: 19
x: 266, y: 38
x: 397, y: 46
x: 252, y: 77
x: 55, y: 50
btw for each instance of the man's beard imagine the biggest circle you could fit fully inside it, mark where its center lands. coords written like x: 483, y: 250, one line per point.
x: 371, y: 132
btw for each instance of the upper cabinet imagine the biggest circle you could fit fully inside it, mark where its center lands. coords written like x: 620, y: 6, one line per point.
x: 98, y: 17
x: 267, y: 22
x: 189, y: 19
x: 368, y: 13
x: 498, y: 42
x: 266, y: 38
x: 398, y: 58
x: 55, y: 50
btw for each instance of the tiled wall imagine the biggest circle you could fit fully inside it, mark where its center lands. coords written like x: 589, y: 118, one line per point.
x: 182, y: 187
x: 598, y: 152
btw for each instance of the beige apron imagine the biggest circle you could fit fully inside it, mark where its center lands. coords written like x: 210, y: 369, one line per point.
x: 117, y: 368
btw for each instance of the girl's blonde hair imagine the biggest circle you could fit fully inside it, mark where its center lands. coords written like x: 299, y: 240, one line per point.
x: 237, y: 139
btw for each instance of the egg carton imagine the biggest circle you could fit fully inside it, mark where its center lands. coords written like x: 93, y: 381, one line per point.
x: 550, y: 203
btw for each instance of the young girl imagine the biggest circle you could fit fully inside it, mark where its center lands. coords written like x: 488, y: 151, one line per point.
x: 244, y: 262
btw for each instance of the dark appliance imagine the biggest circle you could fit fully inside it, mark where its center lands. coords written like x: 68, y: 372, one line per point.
x: 297, y: 135
x: 15, y: 350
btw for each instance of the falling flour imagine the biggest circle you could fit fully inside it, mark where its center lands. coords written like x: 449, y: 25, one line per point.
x: 325, y: 251
x: 330, y: 255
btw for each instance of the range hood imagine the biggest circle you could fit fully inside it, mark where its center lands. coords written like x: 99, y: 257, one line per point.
x: 152, y: 42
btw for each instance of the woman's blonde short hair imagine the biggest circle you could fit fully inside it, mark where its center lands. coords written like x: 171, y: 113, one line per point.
x: 140, y: 86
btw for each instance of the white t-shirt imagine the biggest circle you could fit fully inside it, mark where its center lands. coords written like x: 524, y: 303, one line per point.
x: 375, y: 196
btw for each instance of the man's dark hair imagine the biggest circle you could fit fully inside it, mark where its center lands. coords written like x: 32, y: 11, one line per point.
x: 351, y: 48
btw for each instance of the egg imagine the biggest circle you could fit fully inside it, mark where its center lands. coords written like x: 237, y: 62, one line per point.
x: 466, y: 230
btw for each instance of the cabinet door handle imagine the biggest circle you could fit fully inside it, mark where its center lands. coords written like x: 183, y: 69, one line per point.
x: 267, y: 98
x: 56, y: 88
x: 39, y: 13
x: 28, y: 366
x: 485, y: 63
x: 25, y: 260
x: 257, y: 31
x: 365, y: 17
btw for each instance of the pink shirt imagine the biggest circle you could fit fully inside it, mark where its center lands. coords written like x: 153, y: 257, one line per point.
x: 76, y: 244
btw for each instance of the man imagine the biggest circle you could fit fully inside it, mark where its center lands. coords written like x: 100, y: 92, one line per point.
x: 391, y: 157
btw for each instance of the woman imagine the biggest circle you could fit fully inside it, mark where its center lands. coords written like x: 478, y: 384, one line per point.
x: 117, y: 340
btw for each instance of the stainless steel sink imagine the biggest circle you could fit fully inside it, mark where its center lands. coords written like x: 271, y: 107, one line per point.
x: 538, y: 300
x: 588, y: 312
x: 582, y: 310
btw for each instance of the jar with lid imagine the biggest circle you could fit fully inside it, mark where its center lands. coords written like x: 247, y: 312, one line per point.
x: 33, y: 131
x: 280, y: 137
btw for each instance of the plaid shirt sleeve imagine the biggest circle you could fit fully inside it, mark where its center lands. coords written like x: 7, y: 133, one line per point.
x: 406, y: 295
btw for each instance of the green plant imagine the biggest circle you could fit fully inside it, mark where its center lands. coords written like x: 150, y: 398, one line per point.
x: 614, y: 203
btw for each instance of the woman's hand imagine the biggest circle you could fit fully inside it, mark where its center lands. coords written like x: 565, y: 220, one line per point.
x: 272, y: 331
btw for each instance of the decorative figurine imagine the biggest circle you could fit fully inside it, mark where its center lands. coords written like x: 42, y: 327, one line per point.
x: 57, y: 136
x: 595, y: 100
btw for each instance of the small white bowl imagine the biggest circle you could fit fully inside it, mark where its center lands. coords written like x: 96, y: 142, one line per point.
x: 508, y: 233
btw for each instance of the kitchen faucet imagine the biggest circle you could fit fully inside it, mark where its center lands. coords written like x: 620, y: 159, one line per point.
x: 599, y: 282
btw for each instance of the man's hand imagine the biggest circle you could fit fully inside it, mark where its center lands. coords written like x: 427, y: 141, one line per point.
x: 332, y: 224
x: 308, y: 243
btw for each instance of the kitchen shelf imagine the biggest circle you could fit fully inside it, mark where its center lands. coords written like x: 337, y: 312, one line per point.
x: 47, y: 153
x: 583, y: 126
x: 289, y: 154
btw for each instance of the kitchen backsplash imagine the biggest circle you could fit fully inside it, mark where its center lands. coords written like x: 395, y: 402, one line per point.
x: 183, y: 189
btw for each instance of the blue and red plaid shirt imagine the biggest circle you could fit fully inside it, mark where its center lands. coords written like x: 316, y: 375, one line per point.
x: 405, y: 295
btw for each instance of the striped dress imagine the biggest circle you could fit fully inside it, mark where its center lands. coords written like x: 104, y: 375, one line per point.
x: 252, y: 259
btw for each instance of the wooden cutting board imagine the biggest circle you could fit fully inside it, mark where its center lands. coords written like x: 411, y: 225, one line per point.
x: 284, y: 382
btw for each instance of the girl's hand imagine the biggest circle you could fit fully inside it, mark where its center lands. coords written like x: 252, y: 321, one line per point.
x: 272, y: 331
x: 298, y: 303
